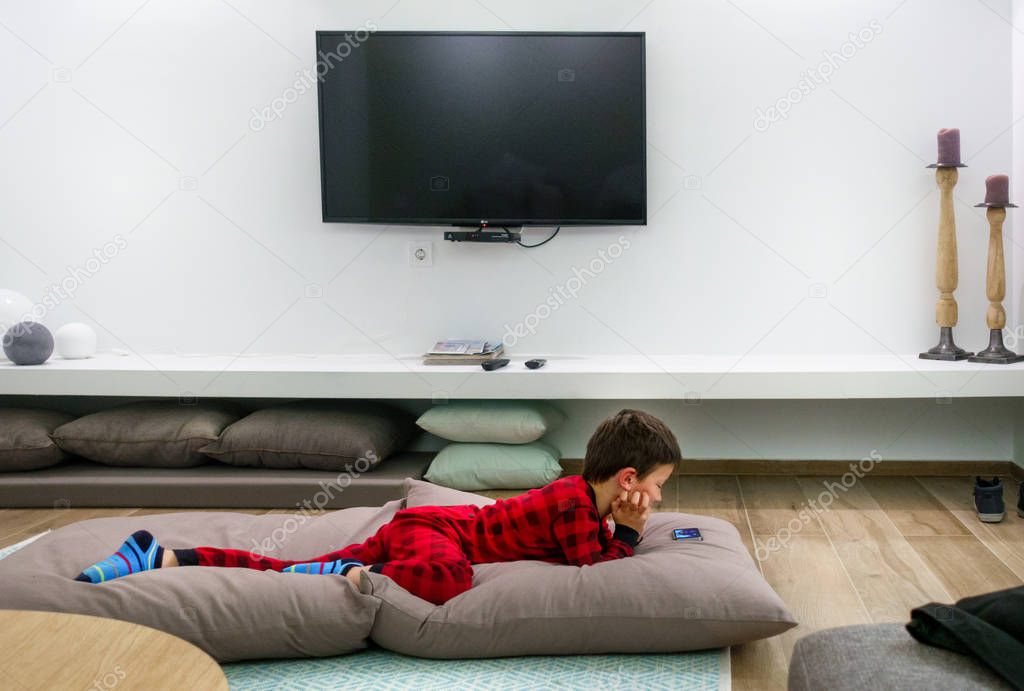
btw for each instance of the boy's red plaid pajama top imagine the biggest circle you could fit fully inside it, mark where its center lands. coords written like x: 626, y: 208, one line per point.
x: 428, y: 550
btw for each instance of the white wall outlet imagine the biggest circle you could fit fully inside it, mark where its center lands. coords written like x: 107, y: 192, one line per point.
x: 421, y: 254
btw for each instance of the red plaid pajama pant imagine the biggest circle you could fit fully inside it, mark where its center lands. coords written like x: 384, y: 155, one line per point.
x: 419, y: 550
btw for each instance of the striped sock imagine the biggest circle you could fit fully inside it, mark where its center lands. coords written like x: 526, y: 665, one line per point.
x: 140, y: 552
x: 339, y: 566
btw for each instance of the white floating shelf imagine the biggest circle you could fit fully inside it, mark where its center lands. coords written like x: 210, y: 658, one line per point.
x: 583, y: 377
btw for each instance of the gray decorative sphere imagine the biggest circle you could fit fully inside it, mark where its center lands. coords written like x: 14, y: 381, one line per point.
x: 28, y: 343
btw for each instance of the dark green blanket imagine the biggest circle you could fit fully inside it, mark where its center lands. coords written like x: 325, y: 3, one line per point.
x: 989, y: 627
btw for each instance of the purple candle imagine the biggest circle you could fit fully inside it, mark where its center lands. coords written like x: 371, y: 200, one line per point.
x: 949, y: 146
x: 997, y: 190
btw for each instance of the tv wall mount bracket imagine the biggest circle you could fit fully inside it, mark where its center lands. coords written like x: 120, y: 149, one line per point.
x: 484, y: 234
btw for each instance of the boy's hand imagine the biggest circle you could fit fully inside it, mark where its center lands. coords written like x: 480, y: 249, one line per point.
x: 632, y: 509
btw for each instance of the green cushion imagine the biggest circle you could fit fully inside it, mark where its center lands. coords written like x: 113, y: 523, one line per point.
x: 501, y: 422
x: 495, y: 466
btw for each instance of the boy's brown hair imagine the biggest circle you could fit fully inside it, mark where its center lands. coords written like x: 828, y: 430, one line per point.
x: 629, y: 439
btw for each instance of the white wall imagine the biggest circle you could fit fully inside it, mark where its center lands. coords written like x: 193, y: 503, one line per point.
x: 1014, y: 235
x: 1014, y: 240
x: 828, y: 195
x: 813, y: 235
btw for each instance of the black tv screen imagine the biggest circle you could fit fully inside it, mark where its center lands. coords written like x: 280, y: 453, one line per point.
x: 458, y: 128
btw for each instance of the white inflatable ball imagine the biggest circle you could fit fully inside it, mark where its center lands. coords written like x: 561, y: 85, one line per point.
x: 75, y: 341
x: 14, y: 308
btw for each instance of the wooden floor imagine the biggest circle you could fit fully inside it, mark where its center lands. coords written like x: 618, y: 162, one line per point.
x: 885, y: 545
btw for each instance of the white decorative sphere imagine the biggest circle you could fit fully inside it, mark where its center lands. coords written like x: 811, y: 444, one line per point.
x: 14, y: 308
x: 75, y: 341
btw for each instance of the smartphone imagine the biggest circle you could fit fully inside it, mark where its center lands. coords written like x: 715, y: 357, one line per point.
x: 687, y: 534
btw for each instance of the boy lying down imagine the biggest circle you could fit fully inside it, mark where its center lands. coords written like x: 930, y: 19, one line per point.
x: 429, y: 550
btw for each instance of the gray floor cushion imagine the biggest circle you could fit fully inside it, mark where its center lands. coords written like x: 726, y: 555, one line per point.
x: 25, y: 442
x: 319, y: 435
x: 232, y: 614
x: 882, y: 656
x: 671, y: 596
x: 148, y: 434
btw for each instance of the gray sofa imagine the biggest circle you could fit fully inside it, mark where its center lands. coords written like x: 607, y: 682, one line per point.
x: 882, y: 656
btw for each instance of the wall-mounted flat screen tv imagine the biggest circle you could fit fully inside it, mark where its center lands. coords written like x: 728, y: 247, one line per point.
x: 470, y: 129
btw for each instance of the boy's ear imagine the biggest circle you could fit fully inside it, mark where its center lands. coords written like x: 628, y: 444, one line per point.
x: 627, y: 478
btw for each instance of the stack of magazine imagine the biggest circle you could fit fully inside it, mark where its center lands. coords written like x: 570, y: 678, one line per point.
x: 469, y: 352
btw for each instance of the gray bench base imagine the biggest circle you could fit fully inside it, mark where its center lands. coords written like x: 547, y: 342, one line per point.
x: 81, y: 484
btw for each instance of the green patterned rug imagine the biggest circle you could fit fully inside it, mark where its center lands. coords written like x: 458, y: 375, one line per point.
x: 382, y: 669
x: 377, y: 668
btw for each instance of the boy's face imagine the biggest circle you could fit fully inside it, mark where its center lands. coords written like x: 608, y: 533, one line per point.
x: 651, y: 483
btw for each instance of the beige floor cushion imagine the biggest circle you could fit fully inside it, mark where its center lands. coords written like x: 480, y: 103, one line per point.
x: 671, y: 596
x: 232, y: 614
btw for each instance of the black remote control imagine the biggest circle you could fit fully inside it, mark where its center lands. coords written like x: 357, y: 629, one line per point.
x: 494, y: 364
x: 536, y: 363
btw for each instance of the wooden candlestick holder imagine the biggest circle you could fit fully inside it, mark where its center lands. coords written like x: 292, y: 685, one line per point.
x: 995, y: 290
x: 946, y: 271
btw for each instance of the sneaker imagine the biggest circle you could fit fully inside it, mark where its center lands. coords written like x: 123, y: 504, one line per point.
x: 988, y: 500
